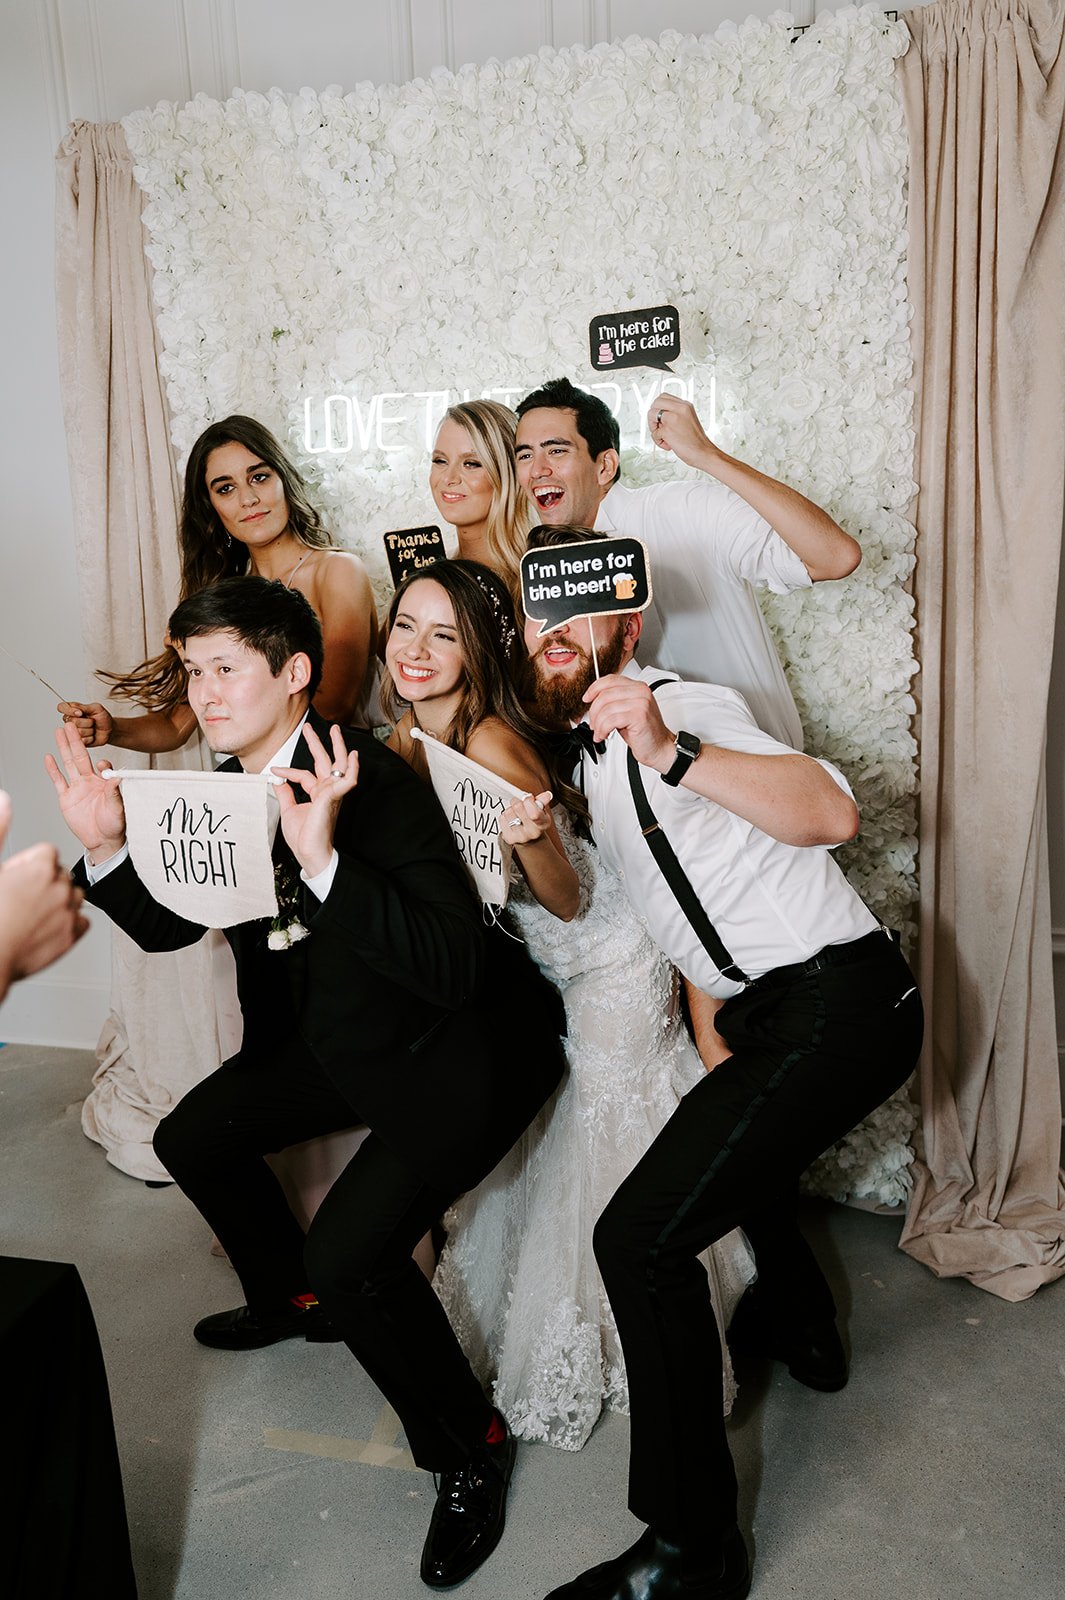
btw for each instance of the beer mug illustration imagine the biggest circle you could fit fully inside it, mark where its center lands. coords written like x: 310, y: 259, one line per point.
x: 624, y: 587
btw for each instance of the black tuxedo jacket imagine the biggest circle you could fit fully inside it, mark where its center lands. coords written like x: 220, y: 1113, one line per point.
x: 441, y: 1034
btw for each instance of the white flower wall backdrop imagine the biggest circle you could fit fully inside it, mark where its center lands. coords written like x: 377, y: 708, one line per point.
x: 458, y: 233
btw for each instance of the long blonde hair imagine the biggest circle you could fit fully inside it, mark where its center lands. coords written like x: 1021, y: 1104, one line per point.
x: 491, y: 429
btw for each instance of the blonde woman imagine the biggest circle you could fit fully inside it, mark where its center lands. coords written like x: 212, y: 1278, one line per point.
x: 474, y: 482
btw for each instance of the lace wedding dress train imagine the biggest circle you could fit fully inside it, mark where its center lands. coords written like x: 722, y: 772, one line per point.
x: 517, y: 1277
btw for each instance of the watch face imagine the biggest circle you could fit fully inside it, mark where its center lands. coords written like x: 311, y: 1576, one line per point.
x: 688, y: 745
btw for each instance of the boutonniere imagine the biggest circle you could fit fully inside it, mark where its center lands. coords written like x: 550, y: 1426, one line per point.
x: 286, y: 929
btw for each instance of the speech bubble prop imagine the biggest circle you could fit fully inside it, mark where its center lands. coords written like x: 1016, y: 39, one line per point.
x: 408, y: 549
x: 201, y: 842
x: 648, y: 338
x: 598, y: 578
x: 473, y: 800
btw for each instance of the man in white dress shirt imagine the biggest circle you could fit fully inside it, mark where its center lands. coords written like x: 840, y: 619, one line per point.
x: 822, y: 1022
x: 713, y: 542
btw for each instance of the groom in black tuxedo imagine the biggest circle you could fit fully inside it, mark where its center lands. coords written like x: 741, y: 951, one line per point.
x: 397, y: 1010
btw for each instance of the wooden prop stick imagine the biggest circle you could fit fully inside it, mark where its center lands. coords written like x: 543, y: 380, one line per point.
x: 31, y: 672
x: 591, y: 641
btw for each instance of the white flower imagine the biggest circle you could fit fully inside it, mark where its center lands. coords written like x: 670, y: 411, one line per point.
x: 732, y: 120
x: 599, y: 103
x: 797, y: 398
x: 355, y: 350
x: 530, y: 334
x: 657, y: 167
x: 398, y: 286
x: 813, y: 78
x: 409, y: 130
x: 867, y: 448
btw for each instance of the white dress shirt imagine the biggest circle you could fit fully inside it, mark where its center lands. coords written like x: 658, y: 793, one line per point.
x: 771, y: 903
x: 709, y: 550
x: 319, y: 885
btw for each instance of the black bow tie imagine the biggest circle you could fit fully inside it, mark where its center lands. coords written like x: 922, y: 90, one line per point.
x: 577, y: 742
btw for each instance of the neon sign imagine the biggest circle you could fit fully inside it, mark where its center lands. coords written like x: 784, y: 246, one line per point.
x: 342, y: 423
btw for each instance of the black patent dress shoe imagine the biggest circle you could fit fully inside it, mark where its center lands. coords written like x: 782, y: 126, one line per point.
x: 654, y: 1569
x: 469, y: 1515
x: 244, y: 1329
x: 812, y: 1352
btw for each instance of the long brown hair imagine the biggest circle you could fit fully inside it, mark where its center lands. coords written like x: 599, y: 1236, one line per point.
x: 209, y: 554
x: 493, y: 656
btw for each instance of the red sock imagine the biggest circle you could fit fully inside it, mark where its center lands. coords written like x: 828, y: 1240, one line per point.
x: 497, y: 1431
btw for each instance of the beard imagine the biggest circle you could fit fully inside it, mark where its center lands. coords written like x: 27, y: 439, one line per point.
x: 559, y: 698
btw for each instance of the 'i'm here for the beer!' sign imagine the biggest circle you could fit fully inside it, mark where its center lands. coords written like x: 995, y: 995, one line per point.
x: 595, y: 578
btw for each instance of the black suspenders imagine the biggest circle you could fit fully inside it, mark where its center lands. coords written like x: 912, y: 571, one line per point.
x: 674, y: 873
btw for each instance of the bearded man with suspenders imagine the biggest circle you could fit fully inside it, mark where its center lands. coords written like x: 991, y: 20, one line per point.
x: 722, y: 836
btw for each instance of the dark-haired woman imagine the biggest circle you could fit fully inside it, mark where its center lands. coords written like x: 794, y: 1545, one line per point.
x: 245, y: 510
x: 518, y: 1277
x: 451, y: 633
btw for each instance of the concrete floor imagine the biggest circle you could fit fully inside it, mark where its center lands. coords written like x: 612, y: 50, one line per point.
x: 936, y: 1475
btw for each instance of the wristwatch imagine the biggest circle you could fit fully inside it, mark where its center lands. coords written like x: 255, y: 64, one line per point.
x: 687, y: 746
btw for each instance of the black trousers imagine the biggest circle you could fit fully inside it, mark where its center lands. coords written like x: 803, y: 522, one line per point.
x: 810, y: 1059
x: 357, y: 1254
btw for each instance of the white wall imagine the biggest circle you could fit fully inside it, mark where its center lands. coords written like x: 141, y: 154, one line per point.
x: 98, y: 59
x: 38, y: 585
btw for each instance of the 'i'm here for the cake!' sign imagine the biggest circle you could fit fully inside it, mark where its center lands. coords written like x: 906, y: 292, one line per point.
x: 649, y: 338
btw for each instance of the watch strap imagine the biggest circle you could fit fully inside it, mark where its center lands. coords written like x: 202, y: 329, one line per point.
x: 687, y: 747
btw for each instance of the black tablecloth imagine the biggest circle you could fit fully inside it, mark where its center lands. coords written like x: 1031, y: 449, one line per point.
x: 63, y: 1531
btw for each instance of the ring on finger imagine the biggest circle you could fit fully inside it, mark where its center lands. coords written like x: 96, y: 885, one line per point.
x: 336, y: 772
x: 515, y: 822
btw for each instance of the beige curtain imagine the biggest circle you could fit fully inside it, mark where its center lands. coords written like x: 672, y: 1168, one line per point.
x: 984, y: 84
x: 162, y: 1035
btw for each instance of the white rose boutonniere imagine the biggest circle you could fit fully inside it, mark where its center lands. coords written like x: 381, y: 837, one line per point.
x: 286, y: 929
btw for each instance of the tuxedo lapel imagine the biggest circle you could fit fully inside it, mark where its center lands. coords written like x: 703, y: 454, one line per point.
x: 301, y: 758
x: 249, y: 939
x: 294, y: 959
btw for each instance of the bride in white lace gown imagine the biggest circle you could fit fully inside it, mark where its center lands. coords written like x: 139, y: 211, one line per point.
x: 518, y: 1278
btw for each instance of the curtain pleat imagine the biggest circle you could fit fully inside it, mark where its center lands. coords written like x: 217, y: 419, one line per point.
x: 984, y: 87
x: 162, y: 1035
